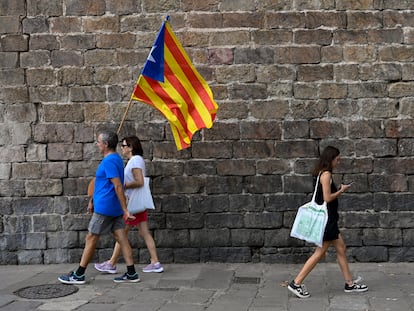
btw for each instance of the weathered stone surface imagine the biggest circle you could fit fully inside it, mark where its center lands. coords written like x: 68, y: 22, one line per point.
x: 289, y: 77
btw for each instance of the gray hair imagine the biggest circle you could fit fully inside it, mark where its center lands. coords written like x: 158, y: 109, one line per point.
x: 111, y: 138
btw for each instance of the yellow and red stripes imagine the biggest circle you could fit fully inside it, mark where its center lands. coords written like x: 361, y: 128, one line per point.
x: 184, y: 98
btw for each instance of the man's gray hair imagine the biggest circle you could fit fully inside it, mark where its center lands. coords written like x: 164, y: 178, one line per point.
x: 111, y: 138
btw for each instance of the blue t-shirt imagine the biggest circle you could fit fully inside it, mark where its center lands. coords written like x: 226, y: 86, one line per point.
x: 105, y: 201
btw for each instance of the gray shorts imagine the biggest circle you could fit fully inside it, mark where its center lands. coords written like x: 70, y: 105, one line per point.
x: 100, y: 224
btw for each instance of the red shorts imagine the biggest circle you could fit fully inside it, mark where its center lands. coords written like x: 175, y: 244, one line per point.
x: 140, y: 217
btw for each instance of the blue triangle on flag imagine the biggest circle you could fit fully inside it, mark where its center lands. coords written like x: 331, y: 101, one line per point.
x: 154, y: 66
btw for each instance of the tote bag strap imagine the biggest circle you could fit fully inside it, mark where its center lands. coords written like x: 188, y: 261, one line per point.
x: 316, y: 188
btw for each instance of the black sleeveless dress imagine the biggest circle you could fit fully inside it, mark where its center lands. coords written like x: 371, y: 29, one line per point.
x: 331, y: 230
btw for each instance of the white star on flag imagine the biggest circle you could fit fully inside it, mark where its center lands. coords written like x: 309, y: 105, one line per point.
x: 150, y: 58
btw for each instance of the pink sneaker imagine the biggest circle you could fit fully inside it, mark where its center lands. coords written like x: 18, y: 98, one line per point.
x: 105, y: 267
x: 153, y: 267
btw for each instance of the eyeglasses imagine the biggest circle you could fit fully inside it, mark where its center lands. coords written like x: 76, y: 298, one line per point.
x: 123, y: 146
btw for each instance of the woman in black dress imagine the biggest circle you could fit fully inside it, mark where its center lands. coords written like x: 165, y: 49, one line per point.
x: 327, y: 191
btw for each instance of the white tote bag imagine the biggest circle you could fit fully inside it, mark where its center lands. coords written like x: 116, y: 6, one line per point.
x: 310, y: 221
x: 141, y: 198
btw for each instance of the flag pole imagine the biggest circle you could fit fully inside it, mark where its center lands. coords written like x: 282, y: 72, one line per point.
x: 124, y: 116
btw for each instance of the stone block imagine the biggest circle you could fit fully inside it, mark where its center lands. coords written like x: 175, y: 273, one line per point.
x: 30, y: 170
x: 260, y: 130
x: 236, y: 167
x: 80, y: 8
x: 388, y: 166
x: 54, y: 133
x: 46, y: 7
x: 331, y: 54
x: 357, y: 219
x: 14, y: 43
x: 352, y: 237
x: 8, y: 59
x: 36, y: 152
x: 100, y: 24
x: 232, y: 73
x: 184, y: 221
x: 10, y: 7
x: 98, y: 57
x: 370, y: 253
x: 47, y: 223
x: 79, y: 42
x: 247, y: 91
x: 12, y: 188
x: 402, y: 219
x: 87, y: 94
x: 297, y: 149
x: 35, y: 240
x: 56, y: 256
x: 63, y: 113
x: 41, y: 42
x: 223, y: 220
x: 22, y: 133
x: 211, y: 150
x: 37, y: 24
x: 364, y: 20
x: 285, y: 202
x: 43, y: 187
x: 401, y: 254
x: 401, y: 89
x: 295, y: 129
x: 12, y: 77
x: 333, y: 90
x: 382, y: 237
x: 54, y: 170
x: 297, y: 55
x: 314, y: 72
x: 253, y: 149
x: 9, y: 24
x: 331, y: 19
x: 305, y: 91
x: 76, y: 223
x: 247, y: 237
x: 75, y: 186
x: 49, y: 94
x: 186, y: 255
x: 224, y: 184
x: 17, y: 226
x: 172, y: 238
x: 377, y: 148
x: 33, y: 206
x: 359, y: 5
x: 175, y: 204
x: 32, y: 257
x: 265, y: 220
x: 66, y: 58
x: 401, y: 52
x: 196, y: 167
x: 5, y: 170
x: 42, y: 76
x: 399, y: 128
x: 406, y: 147
x: 318, y: 36
x: 209, y: 203
x: 12, y: 154
x: 229, y: 254
x: 408, y: 237
x: 8, y: 258
x: 210, y: 237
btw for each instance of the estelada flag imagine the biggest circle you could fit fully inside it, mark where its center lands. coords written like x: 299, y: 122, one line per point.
x: 170, y: 83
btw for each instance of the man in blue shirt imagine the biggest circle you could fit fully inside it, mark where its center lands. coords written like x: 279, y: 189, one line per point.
x: 108, y: 207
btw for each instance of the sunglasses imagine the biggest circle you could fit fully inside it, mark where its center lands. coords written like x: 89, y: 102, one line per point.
x: 124, y: 145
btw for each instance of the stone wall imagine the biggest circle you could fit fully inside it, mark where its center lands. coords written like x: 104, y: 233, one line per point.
x: 290, y: 77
